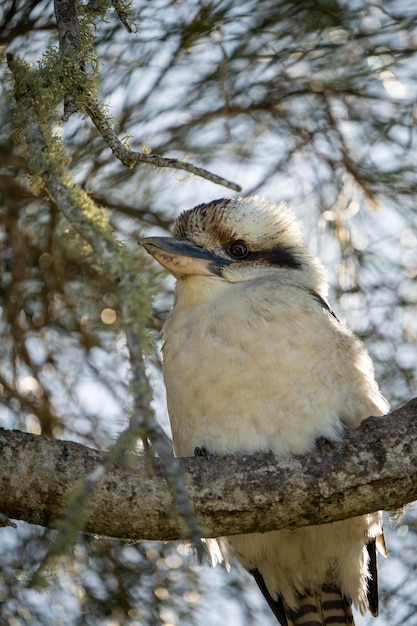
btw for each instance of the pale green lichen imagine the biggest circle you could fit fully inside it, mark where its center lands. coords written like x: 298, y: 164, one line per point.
x: 39, y: 92
x: 49, y: 161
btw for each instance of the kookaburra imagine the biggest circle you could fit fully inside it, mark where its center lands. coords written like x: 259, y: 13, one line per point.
x: 255, y: 360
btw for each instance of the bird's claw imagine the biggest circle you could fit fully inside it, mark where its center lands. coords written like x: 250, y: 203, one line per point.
x: 322, y: 442
x: 202, y: 452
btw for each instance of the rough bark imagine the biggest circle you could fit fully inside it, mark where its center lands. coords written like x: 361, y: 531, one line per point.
x: 374, y: 467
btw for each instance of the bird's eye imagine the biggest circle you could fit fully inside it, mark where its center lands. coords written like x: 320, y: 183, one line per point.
x: 238, y: 249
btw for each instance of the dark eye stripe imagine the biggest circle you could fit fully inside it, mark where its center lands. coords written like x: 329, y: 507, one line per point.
x: 281, y: 256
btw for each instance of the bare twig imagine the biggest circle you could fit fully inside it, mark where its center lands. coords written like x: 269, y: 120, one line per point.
x: 130, y: 158
x: 122, y: 15
x: 69, y: 44
x: 68, y: 27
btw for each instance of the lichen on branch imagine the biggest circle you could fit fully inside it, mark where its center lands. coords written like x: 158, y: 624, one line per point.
x: 47, y: 163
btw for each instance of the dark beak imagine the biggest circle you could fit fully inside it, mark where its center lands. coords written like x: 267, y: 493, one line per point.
x: 181, y: 257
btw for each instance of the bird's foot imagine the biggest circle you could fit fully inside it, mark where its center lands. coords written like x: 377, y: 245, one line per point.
x: 202, y: 452
x: 322, y: 442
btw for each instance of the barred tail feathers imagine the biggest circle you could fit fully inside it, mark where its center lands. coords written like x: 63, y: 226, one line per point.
x: 325, y: 607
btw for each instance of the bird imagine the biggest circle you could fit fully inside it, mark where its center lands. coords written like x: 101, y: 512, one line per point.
x: 255, y: 360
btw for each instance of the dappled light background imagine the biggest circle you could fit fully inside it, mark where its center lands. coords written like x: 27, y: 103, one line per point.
x: 313, y: 103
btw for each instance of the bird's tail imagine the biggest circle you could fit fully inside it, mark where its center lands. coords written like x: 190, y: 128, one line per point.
x: 323, y: 607
x: 326, y: 607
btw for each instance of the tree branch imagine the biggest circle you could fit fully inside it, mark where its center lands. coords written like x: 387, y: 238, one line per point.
x: 374, y: 467
x: 89, y: 222
x: 130, y: 158
x: 70, y: 47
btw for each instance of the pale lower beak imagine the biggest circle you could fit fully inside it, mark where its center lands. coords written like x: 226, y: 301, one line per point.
x: 181, y: 257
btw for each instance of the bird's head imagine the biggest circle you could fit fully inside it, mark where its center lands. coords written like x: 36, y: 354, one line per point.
x: 237, y: 240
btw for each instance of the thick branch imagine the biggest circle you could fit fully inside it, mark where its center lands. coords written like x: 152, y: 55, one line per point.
x: 374, y: 467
